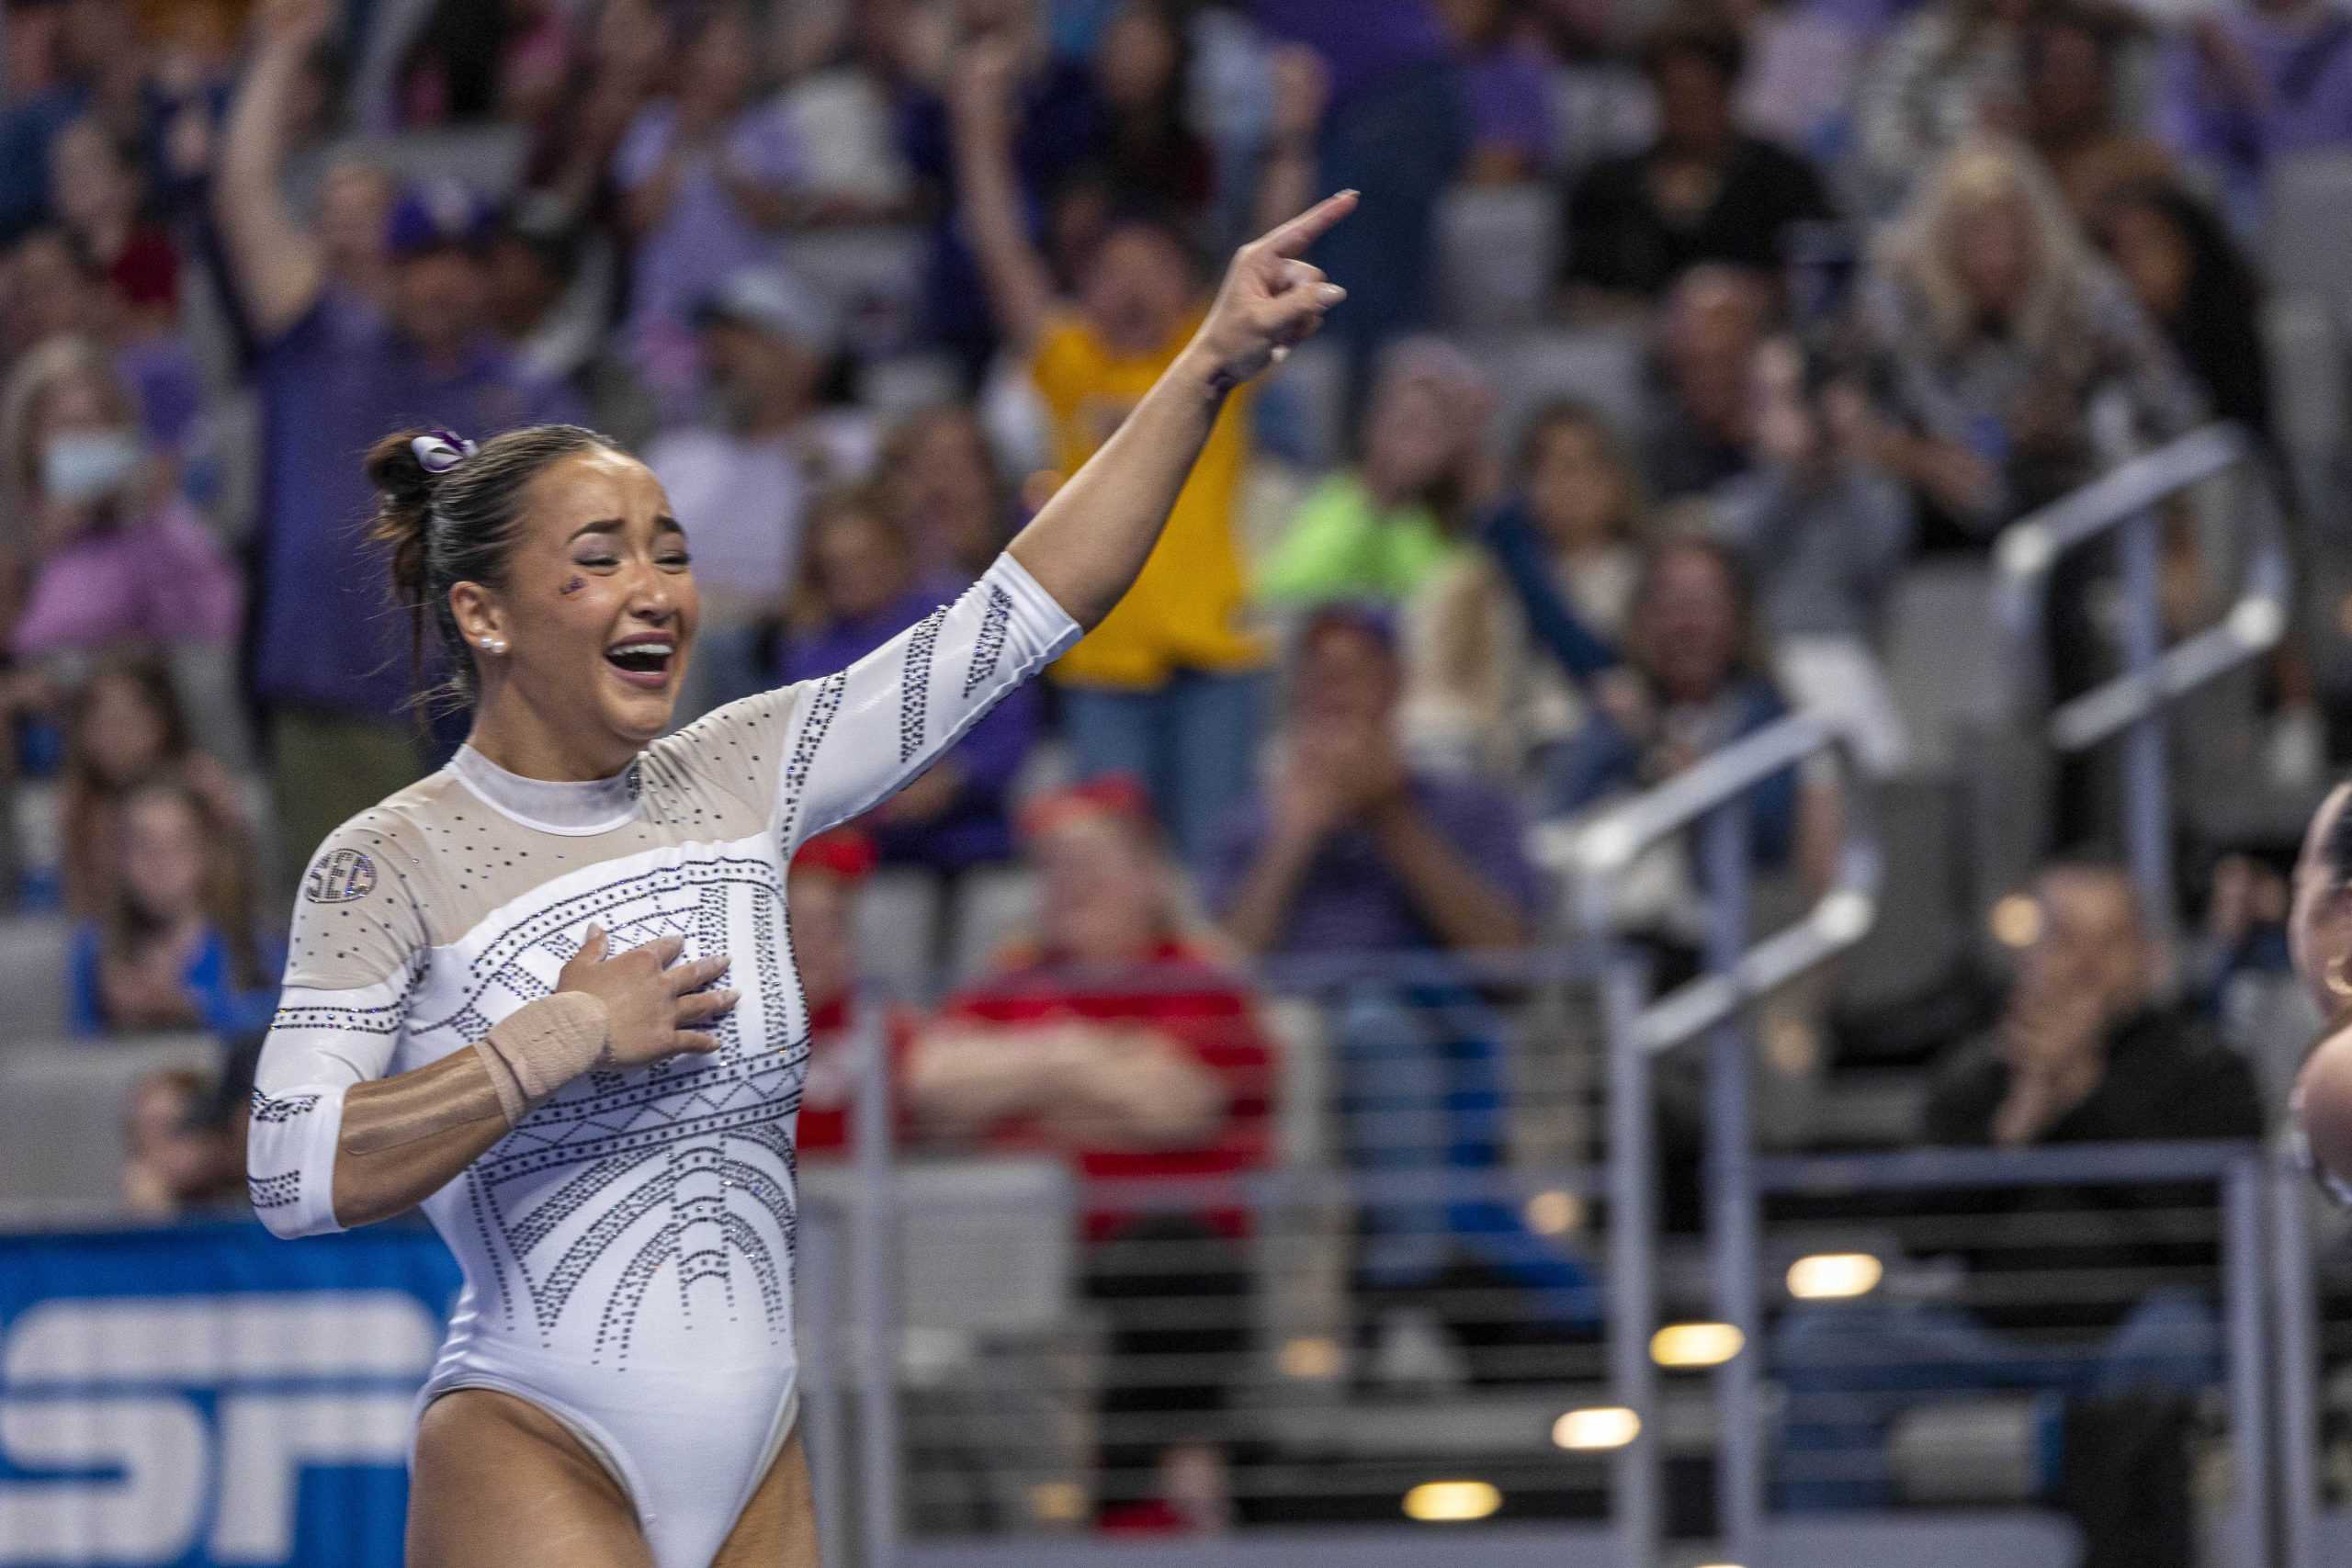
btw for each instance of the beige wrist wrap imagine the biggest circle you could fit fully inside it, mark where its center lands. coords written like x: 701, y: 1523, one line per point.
x: 541, y: 1046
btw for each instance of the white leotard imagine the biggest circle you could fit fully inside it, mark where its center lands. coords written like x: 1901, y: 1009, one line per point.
x: 628, y: 1247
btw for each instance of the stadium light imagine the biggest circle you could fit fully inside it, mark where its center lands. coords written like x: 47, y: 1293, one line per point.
x: 1310, y: 1358
x: 1600, y: 1426
x: 1554, y: 1213
x: 2015, y: 920
x: 1058, y: 1502
x: 1452, y: 1502
x: 1834, y: 1276
x: 1696, y: 1344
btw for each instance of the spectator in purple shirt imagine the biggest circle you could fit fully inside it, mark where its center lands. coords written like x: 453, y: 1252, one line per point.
x: 1508, y: 81
x: 2252, y: 83
x: 862, y: 581
x: 1061, y: 127
x: 1352, y: 851
x: 1352, y: 854
x: 335, y: 370
x: 705, y: 178
x: 1397, y: 129
x: 113, y: 555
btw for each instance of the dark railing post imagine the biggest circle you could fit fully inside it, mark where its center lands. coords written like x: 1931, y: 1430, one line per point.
x: 2243, y: 1282
x: 874, y: 1262
x: 1731, y: 1190
x: 2147, y: 789
x: 1633, y: 1260
x: 2295, y: 1297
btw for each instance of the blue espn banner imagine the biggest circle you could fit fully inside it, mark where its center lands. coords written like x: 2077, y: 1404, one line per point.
x: 207, y: 1394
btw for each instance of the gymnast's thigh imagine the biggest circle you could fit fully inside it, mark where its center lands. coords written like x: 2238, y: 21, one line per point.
x: 499, y: 1480
x: 778, y: 1529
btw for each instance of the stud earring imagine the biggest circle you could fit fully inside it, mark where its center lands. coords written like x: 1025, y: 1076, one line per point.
x: 493, y: 645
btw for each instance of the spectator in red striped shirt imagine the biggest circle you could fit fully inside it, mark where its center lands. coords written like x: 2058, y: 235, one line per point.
x: 1120, y: 1038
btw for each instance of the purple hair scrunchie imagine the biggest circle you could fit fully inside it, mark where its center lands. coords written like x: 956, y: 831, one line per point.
x: 442, y: 450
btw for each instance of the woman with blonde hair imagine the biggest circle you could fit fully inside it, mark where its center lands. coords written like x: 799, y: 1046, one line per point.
x: 1993, y: 325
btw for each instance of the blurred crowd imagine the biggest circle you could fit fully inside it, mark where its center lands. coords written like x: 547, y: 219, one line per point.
x: 863, y: 279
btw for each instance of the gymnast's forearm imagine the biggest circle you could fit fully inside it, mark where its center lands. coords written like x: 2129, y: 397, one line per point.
x: 1088, y: 542
x: 405, y: 1138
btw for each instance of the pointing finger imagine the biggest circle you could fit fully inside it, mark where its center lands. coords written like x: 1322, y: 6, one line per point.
x: 591, y: 946
x: 666, y: 950
x: 1293, y: 238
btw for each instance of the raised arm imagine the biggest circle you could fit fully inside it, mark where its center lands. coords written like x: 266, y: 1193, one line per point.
x: 278, y: 265
x: 853, y: 738
x: 1094, y: 536
x: 982, y: 125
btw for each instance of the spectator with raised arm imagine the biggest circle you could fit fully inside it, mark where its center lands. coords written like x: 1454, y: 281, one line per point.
x: 1168, y: 688
x: 1052, y: 124
x: 1706, y: 190
x: 1485, y: 686
x: 705, y: 178
x: 335, y: 369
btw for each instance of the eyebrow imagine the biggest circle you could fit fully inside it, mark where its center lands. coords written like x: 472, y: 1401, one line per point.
x: 663, y: 523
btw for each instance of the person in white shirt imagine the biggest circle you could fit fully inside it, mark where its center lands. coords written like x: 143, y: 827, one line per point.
x: 501, y: 1003
x: 747, y: 471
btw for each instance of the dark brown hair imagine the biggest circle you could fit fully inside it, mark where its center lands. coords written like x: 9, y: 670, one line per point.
x: 89, y: 799
x: 456, y: 526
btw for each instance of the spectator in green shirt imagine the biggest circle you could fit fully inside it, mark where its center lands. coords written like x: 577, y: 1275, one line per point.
x: 1377, y: 531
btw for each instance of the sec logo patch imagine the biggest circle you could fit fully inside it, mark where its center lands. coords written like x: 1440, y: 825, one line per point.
x: 340, y: 877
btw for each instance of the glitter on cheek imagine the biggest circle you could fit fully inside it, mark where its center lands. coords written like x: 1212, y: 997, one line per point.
x: 573, y: 586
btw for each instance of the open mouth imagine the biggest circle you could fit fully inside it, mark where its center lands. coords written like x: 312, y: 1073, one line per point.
x: 643, y: 661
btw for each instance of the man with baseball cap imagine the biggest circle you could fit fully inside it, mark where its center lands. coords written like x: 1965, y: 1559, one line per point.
x: 745, y: 472
x: 336, y: 368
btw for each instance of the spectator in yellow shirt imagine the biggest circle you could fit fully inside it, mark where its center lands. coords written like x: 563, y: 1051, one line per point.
x: 1169, y: 688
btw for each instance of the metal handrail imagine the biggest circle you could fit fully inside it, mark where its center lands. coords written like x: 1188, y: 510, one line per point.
x: 1591, y: 851
x: 2029, y: 550
x: 2132, y: 704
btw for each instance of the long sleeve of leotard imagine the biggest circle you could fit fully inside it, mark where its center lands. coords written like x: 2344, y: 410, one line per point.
x: 356, y: 936
x: 858, y: 735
